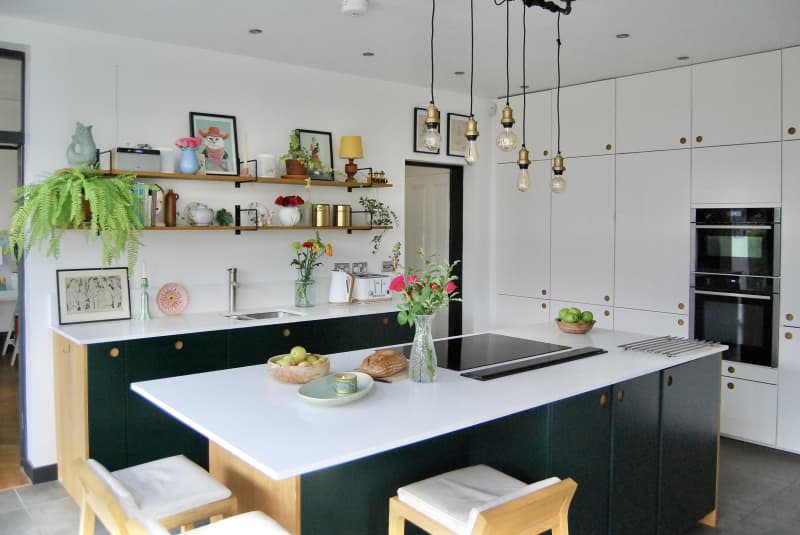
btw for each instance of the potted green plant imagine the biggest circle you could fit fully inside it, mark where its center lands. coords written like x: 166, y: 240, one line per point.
x: 46, y: 209
x: 380, y: 215
x: 299, y: 162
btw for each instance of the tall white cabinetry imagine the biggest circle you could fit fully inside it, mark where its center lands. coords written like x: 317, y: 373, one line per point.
x: 791, y: 93
x: 654, y: 111
x: 789, y: 390
x: 790, y: 237
x: 582, y: 234
x: 737, y: 100
x: 587, y: 119
x: 513, y: 311
x: 538, y: 127
x: 737, y: 174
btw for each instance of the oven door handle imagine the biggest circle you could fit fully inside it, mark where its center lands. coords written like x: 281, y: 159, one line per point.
x: 738, y: 296
x: 745, y: 227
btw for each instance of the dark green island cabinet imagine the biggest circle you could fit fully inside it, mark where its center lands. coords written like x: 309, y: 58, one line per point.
x: 98, y: 416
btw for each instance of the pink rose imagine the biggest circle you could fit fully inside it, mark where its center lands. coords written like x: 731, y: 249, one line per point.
x: 412, y: 279
x: 398, y: 284
x: 450, y: 287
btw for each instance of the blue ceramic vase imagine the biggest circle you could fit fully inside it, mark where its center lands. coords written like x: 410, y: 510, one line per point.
x: 189, y: 163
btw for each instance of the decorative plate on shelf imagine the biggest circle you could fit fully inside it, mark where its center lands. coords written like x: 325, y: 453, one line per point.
x: 172, y: 299
x: 259, y: 217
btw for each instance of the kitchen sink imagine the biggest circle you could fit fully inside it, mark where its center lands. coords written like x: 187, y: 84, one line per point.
x: 266, y: 315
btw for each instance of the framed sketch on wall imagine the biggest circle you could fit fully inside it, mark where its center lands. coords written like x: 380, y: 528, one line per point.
x: 319, y: 146
x: 95, y: 294
x: 219, y: 142
x: 456, y: 134
x: 420, y: 114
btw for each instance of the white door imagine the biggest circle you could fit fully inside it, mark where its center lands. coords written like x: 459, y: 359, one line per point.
x: 654, y: 323
x: 537, y: 129
x: 790, y: 235
x: 791, y: 93
x: 741, y: 175
x: 653, y: 231
x: 654, y: 110
x: 737, y: 100
x: 513, y: 311
x: 522, y: 232
x: 789, y: 389
x: 587, y: 119
x: 427, y: 222
x: 603, y: 315
x: 582, y: 236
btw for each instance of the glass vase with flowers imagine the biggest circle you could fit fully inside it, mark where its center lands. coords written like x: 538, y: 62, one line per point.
x: 423, y: 293
x: 307, y: 258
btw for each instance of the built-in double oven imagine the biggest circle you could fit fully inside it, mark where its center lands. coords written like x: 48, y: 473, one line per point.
x: 736, y: 281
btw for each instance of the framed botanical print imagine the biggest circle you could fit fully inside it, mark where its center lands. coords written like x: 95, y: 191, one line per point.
x: 219, y: 143
x: 456, y: 134
x: 96, y: 294
x: 319, y: 146
x: 420, y: 114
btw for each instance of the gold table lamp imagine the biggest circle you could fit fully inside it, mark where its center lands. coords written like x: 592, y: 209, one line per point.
x: 350, y: 148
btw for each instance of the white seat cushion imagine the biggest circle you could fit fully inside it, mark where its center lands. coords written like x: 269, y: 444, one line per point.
x: 448, y: 498
x: 120, y: 491
x: 170, y: 486
x: 252, y: 523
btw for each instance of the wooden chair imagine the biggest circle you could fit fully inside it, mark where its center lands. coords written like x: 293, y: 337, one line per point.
x: 174, y: 491
x: 479, y: 500
x: 252, y: 523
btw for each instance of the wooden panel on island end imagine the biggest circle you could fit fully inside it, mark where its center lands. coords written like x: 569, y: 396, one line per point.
x: 256, y: 491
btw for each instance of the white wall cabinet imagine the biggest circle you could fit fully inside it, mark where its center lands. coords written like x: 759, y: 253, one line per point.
x: 582, y: 235
x: 740, y: 175
x: 587, y: 119
x: 748, y: 410
x: 790, y: 235
x: 652, y: 241
x: 791, y: 93
x: 737, y: 100
x: 522, y: 232
x: 538, y: 128
x: 647, y: 322
x: 514, y: 311
x: 654, y: 111
x: 603, y: 315
x: 789, y: 389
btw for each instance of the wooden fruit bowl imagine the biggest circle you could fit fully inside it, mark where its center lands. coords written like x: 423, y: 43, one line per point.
x: 297, y: 374
x: 575, y: 328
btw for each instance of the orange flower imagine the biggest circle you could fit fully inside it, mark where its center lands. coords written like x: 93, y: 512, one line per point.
x: 329, y: 250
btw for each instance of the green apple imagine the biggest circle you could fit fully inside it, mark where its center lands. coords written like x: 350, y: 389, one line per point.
x: 298, y: 354
x: 311, y: 359
x: 586, y: 317
x: 285, y: 361
x: 570, y: 317
x: 576, y: 311
x: 563, y: 312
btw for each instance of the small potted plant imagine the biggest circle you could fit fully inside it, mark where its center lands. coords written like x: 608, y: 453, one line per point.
x: 298, y: 161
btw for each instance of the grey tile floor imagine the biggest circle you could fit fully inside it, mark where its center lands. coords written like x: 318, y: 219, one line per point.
x: 759, y: 494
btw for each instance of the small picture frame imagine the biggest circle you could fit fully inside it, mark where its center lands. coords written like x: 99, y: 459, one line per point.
x: 456, y: 134
x: 420, y: 114
x: 219, y: 145
x: 93, y: 294
x: 319, y: 146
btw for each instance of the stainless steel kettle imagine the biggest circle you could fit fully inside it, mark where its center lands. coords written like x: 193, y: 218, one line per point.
x: 342, y: 284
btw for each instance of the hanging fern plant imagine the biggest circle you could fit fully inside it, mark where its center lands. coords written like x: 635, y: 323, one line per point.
x: 47, y: 209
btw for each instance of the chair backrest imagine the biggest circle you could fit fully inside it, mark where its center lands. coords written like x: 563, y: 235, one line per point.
x: 539, y: 511
x: 100, y: 498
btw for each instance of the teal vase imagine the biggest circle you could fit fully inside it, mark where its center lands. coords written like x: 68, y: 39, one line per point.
x: 189, y: 163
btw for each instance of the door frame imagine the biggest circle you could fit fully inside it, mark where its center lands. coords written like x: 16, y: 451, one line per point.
x: 456, y: 250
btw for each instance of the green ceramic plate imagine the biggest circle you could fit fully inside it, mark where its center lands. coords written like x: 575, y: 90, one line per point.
x: 322, y: 391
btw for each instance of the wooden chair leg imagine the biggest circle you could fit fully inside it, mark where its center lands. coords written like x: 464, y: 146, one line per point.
x: 187, y: 527
x: 397, y: 524
x: 86, y: 526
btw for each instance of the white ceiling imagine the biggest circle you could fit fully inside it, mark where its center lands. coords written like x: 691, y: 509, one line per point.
x: 314, y: 33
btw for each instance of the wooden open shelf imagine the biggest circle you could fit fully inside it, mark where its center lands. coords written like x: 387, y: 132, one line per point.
x: 251, y: 228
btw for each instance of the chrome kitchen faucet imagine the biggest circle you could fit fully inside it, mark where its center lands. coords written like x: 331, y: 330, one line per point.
x: 232, y: 285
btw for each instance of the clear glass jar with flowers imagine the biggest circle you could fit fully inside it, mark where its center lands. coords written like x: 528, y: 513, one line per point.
x: 189, y: 164
x: 289, y: 211
x: 307, y: 258
x: 423, y: 293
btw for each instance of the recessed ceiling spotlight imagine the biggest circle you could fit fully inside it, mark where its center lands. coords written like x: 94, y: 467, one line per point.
x: 525, y: 86
x: 368, y: 54
x: 255, y: 31
x: 682, y: 58
x: 623, y: 35
x: 458, y: 73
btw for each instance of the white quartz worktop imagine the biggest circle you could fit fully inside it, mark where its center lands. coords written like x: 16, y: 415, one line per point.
x: 269, y: 426
x: 114, y: 331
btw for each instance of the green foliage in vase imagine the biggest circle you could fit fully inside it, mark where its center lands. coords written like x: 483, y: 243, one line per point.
x: 380, y: 216
x: 47, y: 209
x: 297, y: 152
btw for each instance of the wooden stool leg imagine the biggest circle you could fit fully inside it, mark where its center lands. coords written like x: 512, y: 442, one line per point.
x: 86, y: 526
x: 397, y: 524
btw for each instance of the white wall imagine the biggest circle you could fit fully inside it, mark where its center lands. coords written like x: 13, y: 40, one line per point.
x: 142, y: 92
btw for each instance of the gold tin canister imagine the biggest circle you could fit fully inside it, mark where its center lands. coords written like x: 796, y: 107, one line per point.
x: 321, y: 214
x: 341, y: 215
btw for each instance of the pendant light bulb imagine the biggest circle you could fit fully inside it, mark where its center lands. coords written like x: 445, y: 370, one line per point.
x: 558, y: 184
x: 432, y: 139
x: 507, y: 139
x: 524, y: 177
x: 471, y: 154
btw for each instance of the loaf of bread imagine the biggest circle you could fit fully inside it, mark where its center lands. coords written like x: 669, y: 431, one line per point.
x: 383, y: 363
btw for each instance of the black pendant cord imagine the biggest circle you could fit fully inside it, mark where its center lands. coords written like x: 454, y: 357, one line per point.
x: 524, y: 89
x: 433, y: 12
x: 558, y: 87
x: 472, y: 52
x: 508, y: 79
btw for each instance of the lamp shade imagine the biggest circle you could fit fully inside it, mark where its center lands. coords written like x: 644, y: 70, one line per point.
x: 350, y: 147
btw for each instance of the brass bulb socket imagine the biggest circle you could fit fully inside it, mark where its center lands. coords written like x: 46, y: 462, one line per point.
x: 472, y: 129
x: 508, y: 117
x: 523, y: 161
x: 558, y: 164
x: 432, y: 120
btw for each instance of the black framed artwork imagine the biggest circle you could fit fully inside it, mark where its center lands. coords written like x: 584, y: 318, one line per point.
x: 420, y: 114
x: 94, y: 294
x: 319, y: 146
x: 219, y: 143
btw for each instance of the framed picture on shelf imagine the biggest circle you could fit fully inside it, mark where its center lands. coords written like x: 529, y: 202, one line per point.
x: 456, y: 134
x: 219, y: 146
x: 94, y: 294
x: 420, y: 114
x: 319, y: 146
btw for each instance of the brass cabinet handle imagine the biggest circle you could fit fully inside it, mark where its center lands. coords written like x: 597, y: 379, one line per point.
x: 606, y: 313
x: 546, y: 152
x: 788, y: 336
x: 699, y: 139
x: 603, y: 399
x: 606, y: 298
x: 178, y: 344
x: 669, y: 380
x: 620, y: 395
x: 544, y: 305
x: 386, y: 321
x: 731, y: 369
x: 683, y: 141
x: 681, y: 306
x: 792, y: 130
x: 608, y: 147
x: 680, y: 322
x: 789, y: 316
x: 730, y: 386
x: 114, y: 352
x: 544, y: 291
x: 286, y: 332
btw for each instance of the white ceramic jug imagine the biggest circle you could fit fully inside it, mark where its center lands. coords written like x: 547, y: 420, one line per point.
x: 341, y: 287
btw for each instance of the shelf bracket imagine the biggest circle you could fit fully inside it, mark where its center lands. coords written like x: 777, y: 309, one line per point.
x: 237, y: 219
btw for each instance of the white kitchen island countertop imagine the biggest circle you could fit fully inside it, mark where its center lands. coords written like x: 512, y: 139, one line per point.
x: 266, y: 424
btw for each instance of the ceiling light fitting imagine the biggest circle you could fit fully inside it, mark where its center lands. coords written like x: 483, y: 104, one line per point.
x: 354, y: 7
x: 471, y: 152
x: 432, y: 139
x: 682, y: 58
x: 558, y: 184
x: 368, y: 54
x: 255, y: 31
x: 623, y: 35
x: 507, y: 139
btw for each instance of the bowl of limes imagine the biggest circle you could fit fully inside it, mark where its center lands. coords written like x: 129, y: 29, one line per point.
x: 298, y: 366
x: 575, y: 321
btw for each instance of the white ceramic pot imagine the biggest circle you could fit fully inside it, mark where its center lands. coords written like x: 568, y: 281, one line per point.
x: 289, y: 215
x: 201, y: 215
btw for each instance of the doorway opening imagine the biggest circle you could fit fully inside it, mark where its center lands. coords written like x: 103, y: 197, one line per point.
x: 434, y: 222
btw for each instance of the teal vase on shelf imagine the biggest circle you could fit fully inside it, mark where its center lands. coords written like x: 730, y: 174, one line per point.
x: 189, y: 163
